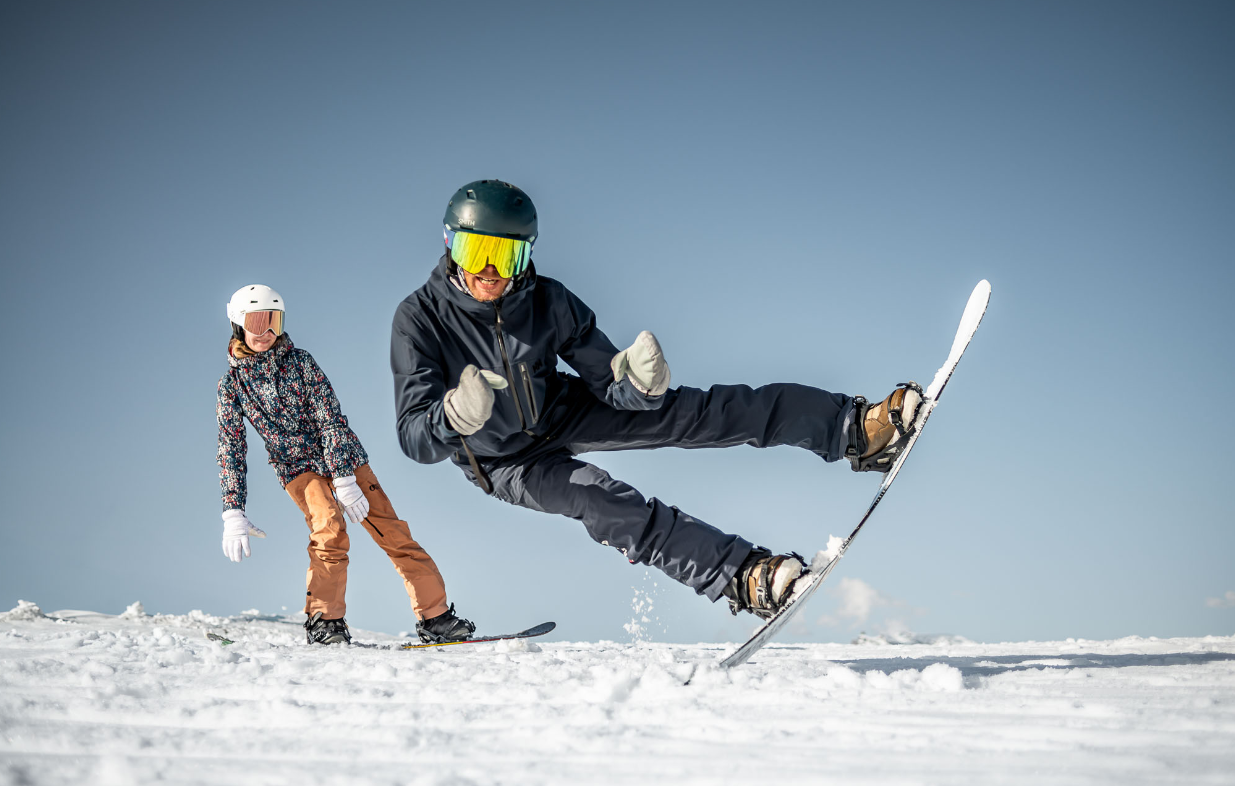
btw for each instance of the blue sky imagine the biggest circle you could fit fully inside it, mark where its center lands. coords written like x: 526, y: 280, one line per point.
x: 782, y: 192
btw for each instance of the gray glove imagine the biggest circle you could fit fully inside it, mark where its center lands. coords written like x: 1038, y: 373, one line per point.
x: 470, y: 405
x: 645, y: 364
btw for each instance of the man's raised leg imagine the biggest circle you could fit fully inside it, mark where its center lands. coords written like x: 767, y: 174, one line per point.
x: 646, y: 531
x: 721, y: 416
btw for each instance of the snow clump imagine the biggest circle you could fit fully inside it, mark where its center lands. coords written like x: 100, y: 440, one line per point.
x: 831, y: 552
x: 24, y: 610
x: 135, y: 611
x: 942, y: 678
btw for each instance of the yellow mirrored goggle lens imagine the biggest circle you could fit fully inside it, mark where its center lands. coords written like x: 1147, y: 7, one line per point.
x: 473, y: 252
x: 258, y: 322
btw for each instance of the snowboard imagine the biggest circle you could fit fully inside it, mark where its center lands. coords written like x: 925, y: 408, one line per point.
x: 538, y: 630
x: 811, y: 581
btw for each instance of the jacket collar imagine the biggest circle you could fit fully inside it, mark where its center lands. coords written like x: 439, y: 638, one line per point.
x: 270, y: 356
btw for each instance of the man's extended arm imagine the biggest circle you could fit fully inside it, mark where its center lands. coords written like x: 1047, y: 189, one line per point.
x: 590, y: 352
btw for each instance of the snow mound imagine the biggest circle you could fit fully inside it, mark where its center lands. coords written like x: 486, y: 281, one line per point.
x: 197, y: 616
x: 935, y: 678
x: 135, y: 611
x: 24, y: 610
x: 941, y: 677
x: 516, y: 645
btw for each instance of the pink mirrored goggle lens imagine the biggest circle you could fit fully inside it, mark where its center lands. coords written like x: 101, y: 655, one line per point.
x: 258, y: 322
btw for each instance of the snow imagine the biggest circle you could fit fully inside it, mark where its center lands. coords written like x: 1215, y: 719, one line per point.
x: 140, y: 698
x: 829, y: 553
x: 25, y: 610
x: 135, y: 611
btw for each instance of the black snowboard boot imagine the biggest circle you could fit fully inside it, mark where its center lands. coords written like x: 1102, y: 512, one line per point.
x: 445, y: 627
x: 320, y: 631
x: 879, y: 431
x: 763, y: 583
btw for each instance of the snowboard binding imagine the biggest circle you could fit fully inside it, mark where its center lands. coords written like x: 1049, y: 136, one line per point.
x: 879, y: 431
x: 320, y: 631
x: 445, y: 628
x: 764, y: 583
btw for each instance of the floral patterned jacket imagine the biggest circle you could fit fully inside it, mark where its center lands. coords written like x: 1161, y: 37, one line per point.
x: 291, y: 404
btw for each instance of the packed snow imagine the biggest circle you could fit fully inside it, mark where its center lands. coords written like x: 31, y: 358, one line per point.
x: 139, y: 698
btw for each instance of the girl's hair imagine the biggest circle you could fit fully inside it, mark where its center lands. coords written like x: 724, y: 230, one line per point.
x: 237, y: 346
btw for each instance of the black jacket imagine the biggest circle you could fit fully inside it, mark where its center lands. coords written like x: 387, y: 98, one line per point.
x: 439, y: 329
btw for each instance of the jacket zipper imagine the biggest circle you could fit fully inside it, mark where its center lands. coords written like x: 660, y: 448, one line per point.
x: 531, y: 396
x: 510, y: 374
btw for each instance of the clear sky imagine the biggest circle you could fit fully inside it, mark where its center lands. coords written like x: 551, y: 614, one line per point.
x: 781, y: 192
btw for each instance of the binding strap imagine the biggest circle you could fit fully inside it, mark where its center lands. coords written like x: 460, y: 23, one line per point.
x: 896, y: 405
x: 764, y: 603
x: 857, y: 430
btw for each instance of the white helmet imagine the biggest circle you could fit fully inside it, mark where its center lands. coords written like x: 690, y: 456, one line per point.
x: 255, y: 297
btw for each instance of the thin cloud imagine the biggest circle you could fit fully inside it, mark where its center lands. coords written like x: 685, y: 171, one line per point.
x: 1227, y: 601
x: 858, y: 600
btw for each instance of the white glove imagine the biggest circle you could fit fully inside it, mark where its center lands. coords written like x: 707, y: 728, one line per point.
x: 351, y: 498
x: 470, y: 405
x: 645, y: 364
x: 236, y: 533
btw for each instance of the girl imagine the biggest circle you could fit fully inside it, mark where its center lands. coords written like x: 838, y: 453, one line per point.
x: 322, y: 466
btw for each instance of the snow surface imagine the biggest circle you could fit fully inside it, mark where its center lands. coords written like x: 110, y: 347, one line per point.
x: 88, y: 698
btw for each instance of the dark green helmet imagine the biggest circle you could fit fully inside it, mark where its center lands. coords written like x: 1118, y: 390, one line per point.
x: 492, y: 207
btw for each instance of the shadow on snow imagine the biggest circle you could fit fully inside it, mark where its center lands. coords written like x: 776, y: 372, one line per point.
x: 991, y: 665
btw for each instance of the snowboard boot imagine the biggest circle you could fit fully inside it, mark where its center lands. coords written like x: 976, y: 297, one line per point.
x: 445, y: 627
x: 879, y: 431
x: 763, y: 583
x: 320, y: 631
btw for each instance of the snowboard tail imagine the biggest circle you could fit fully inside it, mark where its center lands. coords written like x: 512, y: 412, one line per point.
x: 812, y: 580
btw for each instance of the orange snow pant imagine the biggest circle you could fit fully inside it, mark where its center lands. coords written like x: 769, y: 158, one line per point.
x: 328, y: 545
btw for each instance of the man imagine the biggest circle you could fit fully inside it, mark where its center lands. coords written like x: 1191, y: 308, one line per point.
x: 475, y: 352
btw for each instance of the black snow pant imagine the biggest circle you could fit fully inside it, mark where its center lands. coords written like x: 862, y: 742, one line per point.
x: 547, y: 476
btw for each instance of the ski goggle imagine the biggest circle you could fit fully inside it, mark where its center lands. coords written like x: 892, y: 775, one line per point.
x: 258, y: 322
x: 474, y: 252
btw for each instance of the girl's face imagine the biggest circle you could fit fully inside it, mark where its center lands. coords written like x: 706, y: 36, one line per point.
x: 260, y: 343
